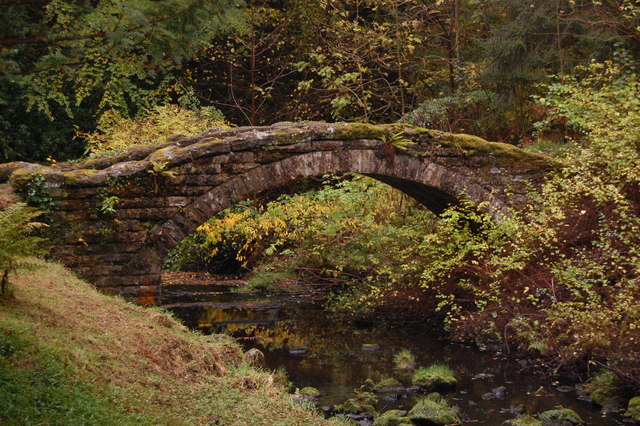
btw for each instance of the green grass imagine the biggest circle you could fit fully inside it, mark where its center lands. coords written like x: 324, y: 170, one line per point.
x: 37, y: 387
x: 70, y: 355
x: 404, y: 359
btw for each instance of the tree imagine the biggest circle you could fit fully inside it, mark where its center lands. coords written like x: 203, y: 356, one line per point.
x: 65, y: 62
x: 248, y: 73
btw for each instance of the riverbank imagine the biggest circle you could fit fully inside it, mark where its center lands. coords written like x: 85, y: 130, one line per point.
x: 72, y: 355
x: 293, y: 330
x: 337, y: 359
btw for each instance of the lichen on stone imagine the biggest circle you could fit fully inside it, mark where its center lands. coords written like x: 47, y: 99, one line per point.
x: 85, y: 177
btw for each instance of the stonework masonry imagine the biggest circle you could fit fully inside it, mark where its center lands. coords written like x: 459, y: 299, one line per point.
x: 114, y: 219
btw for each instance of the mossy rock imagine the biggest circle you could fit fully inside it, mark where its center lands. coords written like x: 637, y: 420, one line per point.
x: 605, y: 389
x: 404, y: 360
x: 19, y: 178
x: 436, y: 377
x: 434, y: 412
x: 388, y: 384
x: 523, y: 421
x: 561, y: 417
x: 393, y: 418
x: 633, y: 409
x: 364, y: 402
x: 309, y: 392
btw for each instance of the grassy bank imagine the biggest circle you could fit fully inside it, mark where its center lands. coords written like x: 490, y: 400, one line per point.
x: 71, y: 355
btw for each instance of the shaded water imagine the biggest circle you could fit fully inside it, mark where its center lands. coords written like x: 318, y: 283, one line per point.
x: 324, y: 350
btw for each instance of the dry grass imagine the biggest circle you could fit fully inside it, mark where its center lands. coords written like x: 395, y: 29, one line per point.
x: 145, y: 360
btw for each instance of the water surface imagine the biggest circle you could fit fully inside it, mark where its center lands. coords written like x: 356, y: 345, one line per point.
x: 324, y: 350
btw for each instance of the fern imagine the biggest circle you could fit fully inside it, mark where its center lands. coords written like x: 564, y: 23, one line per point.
x: 16, y: 241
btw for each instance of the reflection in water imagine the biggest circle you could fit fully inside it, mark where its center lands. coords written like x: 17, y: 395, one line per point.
x: 324, y: 350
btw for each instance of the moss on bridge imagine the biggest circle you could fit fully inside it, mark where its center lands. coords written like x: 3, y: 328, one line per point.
x: 177, y: 150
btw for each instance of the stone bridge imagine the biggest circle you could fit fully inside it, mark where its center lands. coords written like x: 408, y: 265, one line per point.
x: 114, y: 219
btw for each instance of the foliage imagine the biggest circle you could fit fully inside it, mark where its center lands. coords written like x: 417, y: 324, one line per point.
x: 114, y: 132
x: 466, y: 111
x: 367, y: 60
x: 38, y: 194
x: 317, y: 232
x: 16, y: 243
x: 463, y: 65
x: 559, y: 275
x: 108, y: 205
x: 553, y: 148
x: 69, y: 62
x: 69, y: 68
x: 601, y: 101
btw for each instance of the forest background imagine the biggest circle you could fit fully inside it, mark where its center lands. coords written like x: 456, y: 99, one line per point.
x: 559, y: 278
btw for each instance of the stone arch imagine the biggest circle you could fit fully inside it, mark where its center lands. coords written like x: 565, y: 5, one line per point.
x: 434, y: 186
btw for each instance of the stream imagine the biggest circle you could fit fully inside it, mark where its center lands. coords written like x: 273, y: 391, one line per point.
x: 325, y: 350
